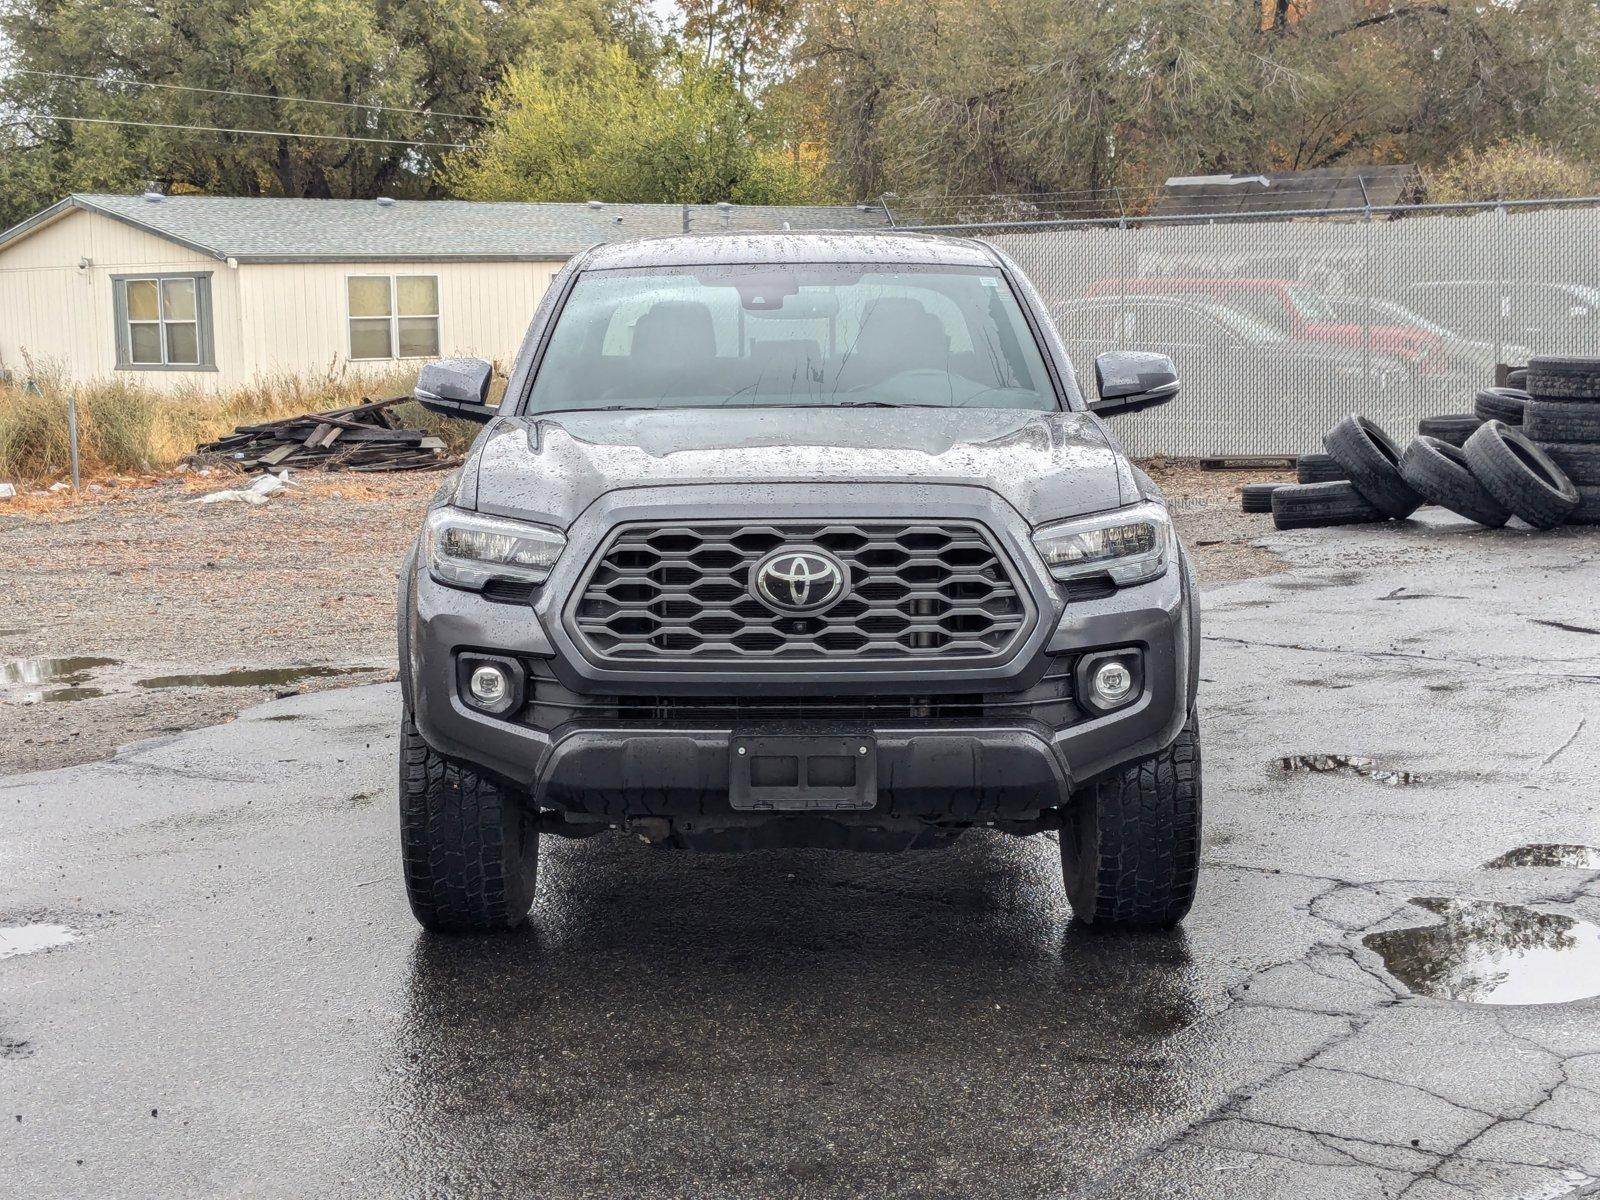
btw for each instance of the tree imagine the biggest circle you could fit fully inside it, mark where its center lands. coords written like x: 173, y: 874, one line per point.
x: 671, y: 128
x: 749, y: 36
x: 1098, y: 103
x: 1515, y: 169
x: 394, y: 86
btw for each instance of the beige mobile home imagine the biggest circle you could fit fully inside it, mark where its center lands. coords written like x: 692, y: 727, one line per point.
x: 217, y: 292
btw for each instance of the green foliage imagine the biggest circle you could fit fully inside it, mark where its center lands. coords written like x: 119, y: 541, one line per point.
x: 749, y: 37
x: 790, y: 100
x: 1515, y: 169
x: 671, y: 128
x: 442, y: 56
x: 955, y: 97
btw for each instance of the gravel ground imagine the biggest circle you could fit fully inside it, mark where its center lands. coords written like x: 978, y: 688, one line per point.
x: 156, y: 586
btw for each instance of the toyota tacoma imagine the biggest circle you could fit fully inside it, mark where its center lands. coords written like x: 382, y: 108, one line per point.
x: 797, y: 540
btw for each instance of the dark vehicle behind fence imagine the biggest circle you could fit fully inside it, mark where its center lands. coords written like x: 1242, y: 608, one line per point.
x: 797, y: 540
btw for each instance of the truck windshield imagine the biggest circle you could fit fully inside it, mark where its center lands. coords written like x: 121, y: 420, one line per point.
x: 768, y: 335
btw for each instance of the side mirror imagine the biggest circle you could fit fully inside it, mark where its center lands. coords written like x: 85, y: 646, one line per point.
x: 1130, y: 380
x: 456, y: 387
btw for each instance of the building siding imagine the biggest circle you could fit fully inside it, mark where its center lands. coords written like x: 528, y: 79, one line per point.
x: 269, y: 321
x: 57, y: 317
x: 295, y: 313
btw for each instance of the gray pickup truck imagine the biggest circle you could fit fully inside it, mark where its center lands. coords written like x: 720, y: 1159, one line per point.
x: 797, y: 540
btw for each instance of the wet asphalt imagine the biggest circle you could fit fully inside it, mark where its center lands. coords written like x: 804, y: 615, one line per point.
x: 210, y: 983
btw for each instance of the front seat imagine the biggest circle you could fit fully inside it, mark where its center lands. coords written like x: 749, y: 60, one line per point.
x: 897, y: 334
x: 674, y: 350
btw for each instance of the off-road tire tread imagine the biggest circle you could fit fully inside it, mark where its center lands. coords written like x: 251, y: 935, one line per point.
x: 1319, y: 505
x: 1373, y: 463
x: 1564, y: 378
x: 1138, y: 833
x: 1440, y: 472
x: 1542, y: 504
x: 469, y: 857
x: 1588, y: 510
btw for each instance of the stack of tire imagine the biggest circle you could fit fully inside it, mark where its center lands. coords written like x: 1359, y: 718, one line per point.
x: 1562, y: 418
x: 1495, y: 473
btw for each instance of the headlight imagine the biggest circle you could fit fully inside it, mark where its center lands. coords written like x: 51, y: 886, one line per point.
x: 467, y: 550
x: 1131, y: 545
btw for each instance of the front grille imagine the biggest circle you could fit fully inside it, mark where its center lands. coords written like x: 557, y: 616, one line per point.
x: 681, y: 593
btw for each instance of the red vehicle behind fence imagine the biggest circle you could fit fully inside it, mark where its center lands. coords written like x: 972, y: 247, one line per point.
x: 1295, y: 307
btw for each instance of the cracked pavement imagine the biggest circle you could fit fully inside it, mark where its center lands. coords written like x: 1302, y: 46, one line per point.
x: 249, y: 1010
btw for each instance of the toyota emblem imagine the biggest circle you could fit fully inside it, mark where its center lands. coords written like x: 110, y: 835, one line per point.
x: 797, y: 581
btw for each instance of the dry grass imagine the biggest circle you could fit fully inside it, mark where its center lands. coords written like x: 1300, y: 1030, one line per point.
x: 124, y: 429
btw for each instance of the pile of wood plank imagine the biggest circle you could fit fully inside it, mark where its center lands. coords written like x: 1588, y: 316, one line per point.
x: 363, y: 437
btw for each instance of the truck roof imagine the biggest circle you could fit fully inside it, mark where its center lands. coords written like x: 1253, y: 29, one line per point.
x: 915, y: 249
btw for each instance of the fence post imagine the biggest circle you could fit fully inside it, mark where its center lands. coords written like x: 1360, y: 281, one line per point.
x: 1366, y: 283
x: 1501, y: 299
x: 72, y: 436
x: 1127, y: 270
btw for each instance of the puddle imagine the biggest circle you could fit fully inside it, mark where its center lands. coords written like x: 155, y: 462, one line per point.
x: 251, y: 677
x: 32, y: 680
x: 1345, y: 764
x: 1486, y: 953
x: 1545, y: 854
x: 56, y: 680
x: 30, y: 939
x: 57, y: 695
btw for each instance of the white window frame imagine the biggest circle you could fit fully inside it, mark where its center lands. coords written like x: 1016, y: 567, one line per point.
x: 395, y: 315
x: 205, y: 347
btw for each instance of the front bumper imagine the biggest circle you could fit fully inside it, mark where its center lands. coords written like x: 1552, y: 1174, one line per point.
x: 611, y: 749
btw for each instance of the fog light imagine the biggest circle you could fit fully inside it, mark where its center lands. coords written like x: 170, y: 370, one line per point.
x: 1112, y: 683
x: 489, y: 686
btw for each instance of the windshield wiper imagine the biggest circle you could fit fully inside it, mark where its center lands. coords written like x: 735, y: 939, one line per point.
x: 550, y: 412
x: 876, y: 404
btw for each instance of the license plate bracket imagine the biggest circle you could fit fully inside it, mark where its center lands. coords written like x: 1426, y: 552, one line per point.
x: 788, y: 773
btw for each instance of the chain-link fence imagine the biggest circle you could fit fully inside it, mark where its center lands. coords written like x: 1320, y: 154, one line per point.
x: 1280, y: 327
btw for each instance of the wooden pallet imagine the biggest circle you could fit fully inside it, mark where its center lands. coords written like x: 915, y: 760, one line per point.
x: 362, y: 437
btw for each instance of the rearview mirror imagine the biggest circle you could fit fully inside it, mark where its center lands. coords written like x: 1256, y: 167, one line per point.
x: 456, y: 387
x: 1130, y: 380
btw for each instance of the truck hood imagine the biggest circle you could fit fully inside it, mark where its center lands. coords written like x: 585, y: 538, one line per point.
x: 1046, y: 465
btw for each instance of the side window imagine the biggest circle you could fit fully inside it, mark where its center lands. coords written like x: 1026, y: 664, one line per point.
x: 1263, y: 306
x: 163, y: 321
x: 1092, y: 324
x: 1159, y: 326
x: 393, y: 316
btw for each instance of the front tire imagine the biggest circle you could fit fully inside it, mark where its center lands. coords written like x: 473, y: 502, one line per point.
x: 1130, y: 844
x: 469, y: 849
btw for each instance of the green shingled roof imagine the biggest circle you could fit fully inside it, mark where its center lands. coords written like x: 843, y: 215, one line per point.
x: 251, y: 229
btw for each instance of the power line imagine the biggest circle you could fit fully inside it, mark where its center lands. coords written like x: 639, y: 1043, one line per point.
x: 288, y: 133
x: 179, y: 87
